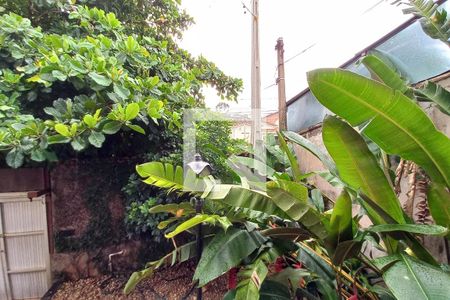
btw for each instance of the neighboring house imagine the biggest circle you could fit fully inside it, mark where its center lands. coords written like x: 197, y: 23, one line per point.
x: 242, y: 128
x: 272, y: 119
x: 419, y: 58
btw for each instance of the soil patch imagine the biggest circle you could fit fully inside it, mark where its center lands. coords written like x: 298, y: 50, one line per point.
x: 172, y: 283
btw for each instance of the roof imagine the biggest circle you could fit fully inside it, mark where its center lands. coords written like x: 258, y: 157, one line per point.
x: 420, y: 56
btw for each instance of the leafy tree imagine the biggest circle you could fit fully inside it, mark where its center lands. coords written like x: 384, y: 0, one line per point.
x: 83, y: 76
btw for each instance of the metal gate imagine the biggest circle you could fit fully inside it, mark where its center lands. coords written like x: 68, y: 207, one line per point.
x: 24, y: 252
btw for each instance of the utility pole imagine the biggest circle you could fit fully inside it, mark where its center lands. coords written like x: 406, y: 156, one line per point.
x: 256, y: 134
x: 282, y: 120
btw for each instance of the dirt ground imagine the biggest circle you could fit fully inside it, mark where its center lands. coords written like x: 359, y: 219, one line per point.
x: 173, y: 283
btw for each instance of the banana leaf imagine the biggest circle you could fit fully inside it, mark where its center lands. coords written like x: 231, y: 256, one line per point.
x: 251, y: 278
x: 340, y: 227
x: 225, y: 251
x: 296, y: 173
x: 379, y: 69
x: 359, y: 168
x: 391, y: 119
x: 439, y: 202
x: 435, y: 93
x: 409, y: 278
x: 313, y: 149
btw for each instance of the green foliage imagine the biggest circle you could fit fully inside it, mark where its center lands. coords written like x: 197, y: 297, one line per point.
x: 381, y: 70
x: 419, y: 280
x: 359, y: 169
x: 385, y: 70
x: 435, y: 93
x: 433, y: 20
x: 413, y: 228
x: 439, y: 202
x: 225, y: 251
x: 359, y: 100
x: 141, y: 197
x: 297, y: 231
x: 90, y: 77
x: 215, y: 144
x: 251, y: 278
x: 340, y: 227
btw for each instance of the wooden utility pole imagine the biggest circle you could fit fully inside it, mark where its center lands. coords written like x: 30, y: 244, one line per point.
x: 281, y: 86
x: 256, y: 134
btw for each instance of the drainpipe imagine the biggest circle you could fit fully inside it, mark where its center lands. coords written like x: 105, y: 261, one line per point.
x: 110, y: 256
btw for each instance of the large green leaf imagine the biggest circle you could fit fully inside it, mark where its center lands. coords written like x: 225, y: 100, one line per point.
x: 199, y: 219
x: 340, y: 227
x: 359, y: 168
x: 251, y: 278
x: 315, y: 263
x: 272, y: 290
x: 409, y: 278
x: 287, y: 233
x: 96, y: 139
x: 238, y: 196
x: 15, y: 158
x: 411, y: 228
x: 293, y: 200
x: 100, y: 79
x: 131, y: 111
x: 439, y: 202
x: 345, y: 250
x: 395, y: 122
x: 290, y: 277
x: 416, y: 246
x: 312, y: 148
x: 167, y: 176
x: 295, y: 168
x: 435, y: 93
x: 161, y: 175
x: 253, y: 163
x: 433, y: 20
x: 385, y: 73
x: 225, y: 251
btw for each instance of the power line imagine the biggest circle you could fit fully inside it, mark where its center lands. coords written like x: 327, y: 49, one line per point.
x: 313, y: 44
x: 372, y: 7
x: 299, y: 53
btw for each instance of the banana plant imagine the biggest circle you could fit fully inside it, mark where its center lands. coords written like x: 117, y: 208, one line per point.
x: 391, y: 119
x: 432, y: 18
x: 386, y: 70
x: 285, y: 212
x: 386, y: 114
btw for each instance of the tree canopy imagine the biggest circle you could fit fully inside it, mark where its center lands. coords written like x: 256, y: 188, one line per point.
x: 71, y: 74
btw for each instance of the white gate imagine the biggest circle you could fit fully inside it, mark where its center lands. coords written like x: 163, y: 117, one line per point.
x: 24, y: 253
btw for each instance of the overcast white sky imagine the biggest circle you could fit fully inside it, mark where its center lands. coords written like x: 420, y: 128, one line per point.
x: 340, y: 29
